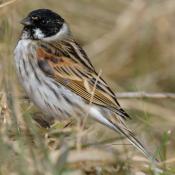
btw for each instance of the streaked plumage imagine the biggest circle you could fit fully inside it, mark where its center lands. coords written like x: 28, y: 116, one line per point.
x: 59, y: 78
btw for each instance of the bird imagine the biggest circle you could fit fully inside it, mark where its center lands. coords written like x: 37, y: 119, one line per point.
x: 59, y: 78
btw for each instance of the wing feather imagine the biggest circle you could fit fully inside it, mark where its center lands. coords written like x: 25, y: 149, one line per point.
x: 72, y: 68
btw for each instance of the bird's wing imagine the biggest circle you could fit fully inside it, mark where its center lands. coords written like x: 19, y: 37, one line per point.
x: 67, y: 63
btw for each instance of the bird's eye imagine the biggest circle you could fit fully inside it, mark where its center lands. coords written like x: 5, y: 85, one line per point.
x: 35, y: 17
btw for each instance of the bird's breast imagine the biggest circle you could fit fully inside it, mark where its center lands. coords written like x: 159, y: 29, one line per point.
x: 44, y: 91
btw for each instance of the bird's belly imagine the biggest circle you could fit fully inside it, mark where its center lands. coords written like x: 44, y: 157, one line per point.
x: 50, y: 96
x: 53, y: 99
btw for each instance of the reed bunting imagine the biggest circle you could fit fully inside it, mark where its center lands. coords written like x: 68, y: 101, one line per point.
x: 59, y: 78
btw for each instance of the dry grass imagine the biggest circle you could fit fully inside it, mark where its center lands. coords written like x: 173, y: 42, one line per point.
x: 133, y: 43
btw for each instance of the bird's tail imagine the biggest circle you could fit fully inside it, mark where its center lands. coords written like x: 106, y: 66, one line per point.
x: 122, y: 130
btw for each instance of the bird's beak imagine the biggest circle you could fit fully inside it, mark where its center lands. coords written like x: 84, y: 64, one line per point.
x: 26, y: 21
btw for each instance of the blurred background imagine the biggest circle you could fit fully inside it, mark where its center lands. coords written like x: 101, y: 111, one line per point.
x: 133, y: 43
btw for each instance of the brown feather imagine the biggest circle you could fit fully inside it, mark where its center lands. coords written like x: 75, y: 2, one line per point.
x: 79, y: 72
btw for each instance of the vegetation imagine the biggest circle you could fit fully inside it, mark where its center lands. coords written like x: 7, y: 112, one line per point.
x: 132, y: 42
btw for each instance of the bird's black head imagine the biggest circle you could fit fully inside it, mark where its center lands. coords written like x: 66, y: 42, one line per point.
x: 42, y: 23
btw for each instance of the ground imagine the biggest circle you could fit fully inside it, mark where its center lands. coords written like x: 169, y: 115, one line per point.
x: 132, y: 42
